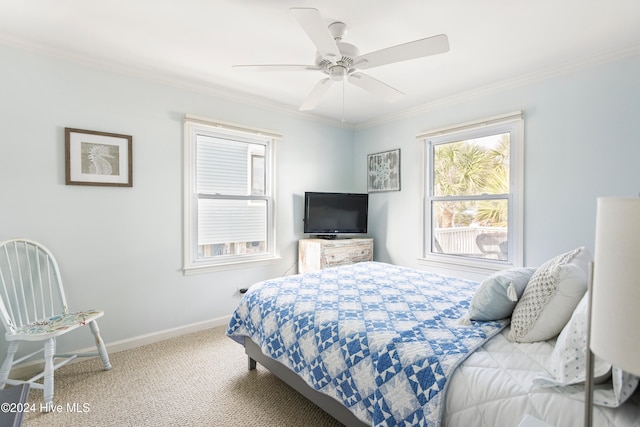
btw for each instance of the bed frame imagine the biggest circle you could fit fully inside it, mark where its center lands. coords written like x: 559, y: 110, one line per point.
x: 328, y: 404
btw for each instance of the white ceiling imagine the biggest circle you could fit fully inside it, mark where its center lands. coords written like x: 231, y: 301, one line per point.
x: 195, y: 43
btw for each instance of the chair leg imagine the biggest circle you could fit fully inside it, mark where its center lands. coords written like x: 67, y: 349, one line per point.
x: 102, y: 351
x: 49, y: 351
x: 8, y: 363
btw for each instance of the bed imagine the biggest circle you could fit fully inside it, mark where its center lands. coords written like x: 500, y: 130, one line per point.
x: 375, y: 344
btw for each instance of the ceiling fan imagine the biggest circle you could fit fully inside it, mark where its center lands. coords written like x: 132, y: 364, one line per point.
x: 340, y: 60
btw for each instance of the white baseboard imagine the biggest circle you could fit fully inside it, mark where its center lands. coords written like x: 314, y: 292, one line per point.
x: 34, y: 367
x: 154, y: 337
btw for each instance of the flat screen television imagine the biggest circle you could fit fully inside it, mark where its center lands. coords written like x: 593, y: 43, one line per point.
x: 329, y: 214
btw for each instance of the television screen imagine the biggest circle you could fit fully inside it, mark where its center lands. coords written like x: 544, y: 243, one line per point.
x: 335, y: 213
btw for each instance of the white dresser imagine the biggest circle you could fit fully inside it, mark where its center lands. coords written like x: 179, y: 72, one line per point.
x: 316, y: 254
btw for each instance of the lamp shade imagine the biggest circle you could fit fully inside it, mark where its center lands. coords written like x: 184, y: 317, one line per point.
x: 615, y: 311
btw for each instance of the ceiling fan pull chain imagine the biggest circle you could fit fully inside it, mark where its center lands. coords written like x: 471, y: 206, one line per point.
x: 343, y: 101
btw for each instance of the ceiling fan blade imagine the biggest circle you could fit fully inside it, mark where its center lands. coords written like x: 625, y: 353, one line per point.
x: 276, y: 67
x: 375, y: 86
x: 316, y: 94
x: 311, y: 22
x: 402, y: 52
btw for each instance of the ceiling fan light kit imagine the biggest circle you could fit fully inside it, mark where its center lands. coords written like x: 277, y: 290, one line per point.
x: 341, y: 61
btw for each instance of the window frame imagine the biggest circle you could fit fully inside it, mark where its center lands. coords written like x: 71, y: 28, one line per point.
x: 193, y: 127
x: 512, y: 123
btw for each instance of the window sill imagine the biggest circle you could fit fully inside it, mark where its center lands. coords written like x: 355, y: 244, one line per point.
x: 209, y: 268
x: 468, y: 267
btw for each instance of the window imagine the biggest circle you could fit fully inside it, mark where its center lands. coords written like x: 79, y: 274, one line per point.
x: 473, y: 194
x: 229, y: 203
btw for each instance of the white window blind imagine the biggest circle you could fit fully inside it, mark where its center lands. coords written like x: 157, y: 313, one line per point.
x: 231, y: 221
x: 222, y: 166
x: 229, y: 205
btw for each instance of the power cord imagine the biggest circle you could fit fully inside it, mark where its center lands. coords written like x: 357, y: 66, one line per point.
x: 295, y: 261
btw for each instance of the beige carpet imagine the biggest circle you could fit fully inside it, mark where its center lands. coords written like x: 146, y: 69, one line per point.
x: 199, y: 379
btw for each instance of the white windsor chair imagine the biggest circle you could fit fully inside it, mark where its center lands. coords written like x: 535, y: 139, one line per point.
x: 33, y: 307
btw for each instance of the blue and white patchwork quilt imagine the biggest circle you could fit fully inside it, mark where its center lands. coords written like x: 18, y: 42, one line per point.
x: 382, y: 339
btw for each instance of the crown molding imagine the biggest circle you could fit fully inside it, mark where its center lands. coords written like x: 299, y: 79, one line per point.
x: 520, y: 81
x: 166, y: 79
x: 264, y: 103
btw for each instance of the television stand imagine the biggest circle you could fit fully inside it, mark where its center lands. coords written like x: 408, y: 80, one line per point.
x: 318, y: 253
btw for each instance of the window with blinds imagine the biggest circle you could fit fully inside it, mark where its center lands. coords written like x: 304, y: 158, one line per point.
x: 229, y: 211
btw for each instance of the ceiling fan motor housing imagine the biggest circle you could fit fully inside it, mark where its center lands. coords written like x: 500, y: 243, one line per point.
x: 338, y: 70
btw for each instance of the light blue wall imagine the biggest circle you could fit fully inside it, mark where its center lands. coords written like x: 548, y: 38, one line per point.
x: 120, y: 249
x: 582, y: 141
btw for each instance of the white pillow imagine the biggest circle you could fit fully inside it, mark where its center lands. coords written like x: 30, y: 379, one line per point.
x: 552, y: 294
x: 567, y: 363
x: 612, y: 393
x: 498, y: 294
x: 567, y: 366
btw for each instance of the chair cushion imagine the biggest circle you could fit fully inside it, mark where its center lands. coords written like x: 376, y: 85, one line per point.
x: 59, y: 324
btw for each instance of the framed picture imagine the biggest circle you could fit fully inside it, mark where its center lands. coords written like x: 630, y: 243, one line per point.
x: 98, y: 158
x: 383, y: 171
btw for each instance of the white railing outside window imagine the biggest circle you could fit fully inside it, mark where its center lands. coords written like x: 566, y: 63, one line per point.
x: 479, y: 242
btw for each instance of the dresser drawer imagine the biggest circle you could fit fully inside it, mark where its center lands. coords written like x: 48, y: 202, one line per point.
x: 343, y: 255
x: 316, y: 254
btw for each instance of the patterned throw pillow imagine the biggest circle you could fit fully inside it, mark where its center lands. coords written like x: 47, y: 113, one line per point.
x: 568, y: 361
x: 567, y: 366
x: 552, y: 294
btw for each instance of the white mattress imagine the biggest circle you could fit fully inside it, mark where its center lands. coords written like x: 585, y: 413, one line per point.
x: 495, y: 385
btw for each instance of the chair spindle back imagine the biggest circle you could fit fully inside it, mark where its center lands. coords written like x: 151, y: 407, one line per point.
x: 31, y: 287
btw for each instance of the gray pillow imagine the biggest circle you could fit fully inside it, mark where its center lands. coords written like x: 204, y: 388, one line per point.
x: 498, y: 294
